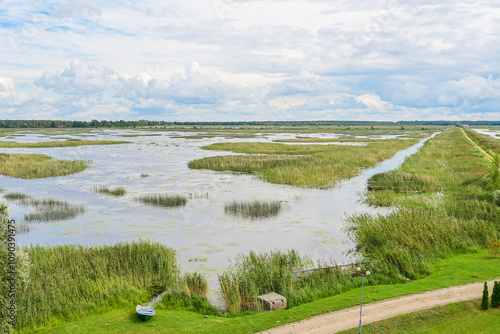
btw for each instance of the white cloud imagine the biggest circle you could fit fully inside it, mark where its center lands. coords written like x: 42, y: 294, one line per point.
x: 78, y: 8
x: 9, y: 97
x: 80, y: 78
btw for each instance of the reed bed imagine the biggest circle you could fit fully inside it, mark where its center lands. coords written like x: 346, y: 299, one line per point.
x: 313, y: 166
x: 253, y: 210
x: 118, y: 191
x: 59, y: 143
x: 403, y: 182
x: 453, y: 213
x: 70, y: 282
x: 163, y: 200
x: 255, y: 274
x: 34, y: 166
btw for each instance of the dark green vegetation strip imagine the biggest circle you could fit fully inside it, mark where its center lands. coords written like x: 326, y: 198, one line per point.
x: 457, y: 270
x: 34, y: 166
x: 445, y: 201
x: 300, y: 165
x: 466, y: 317
x: 67, y: 143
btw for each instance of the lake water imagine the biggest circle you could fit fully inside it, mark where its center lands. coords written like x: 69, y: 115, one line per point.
x: 312, y: 220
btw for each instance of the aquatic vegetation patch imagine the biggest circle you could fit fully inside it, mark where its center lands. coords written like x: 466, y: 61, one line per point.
x: 15, y: 196
x: 162, y: 200
x: 314, y: 166
x: 47, y: 210
x: 253, y: 209
x: 34, y: 166
x: 118, y: 191
x: 60, y: 143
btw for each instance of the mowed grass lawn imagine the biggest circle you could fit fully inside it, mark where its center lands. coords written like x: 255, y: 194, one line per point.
x: 460, y: 269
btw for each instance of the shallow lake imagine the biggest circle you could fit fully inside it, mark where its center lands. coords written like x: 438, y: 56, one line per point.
x: 312, y: 220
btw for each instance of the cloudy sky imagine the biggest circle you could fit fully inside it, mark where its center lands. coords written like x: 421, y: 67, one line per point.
x: 250, y: 60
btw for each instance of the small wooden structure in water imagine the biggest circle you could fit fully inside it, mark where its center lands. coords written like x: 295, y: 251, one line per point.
x: 273, y: 302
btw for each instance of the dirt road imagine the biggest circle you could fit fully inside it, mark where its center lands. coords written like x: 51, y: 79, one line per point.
x: 342, y: 320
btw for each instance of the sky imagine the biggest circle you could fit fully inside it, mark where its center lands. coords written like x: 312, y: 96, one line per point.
x: 237, y: 60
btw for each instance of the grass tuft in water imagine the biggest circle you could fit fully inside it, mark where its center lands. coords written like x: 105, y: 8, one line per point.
x: 118, y: 191
x: 16, y: 196
x: 47, y: 210
x: 253, y: 210
x: 163, y: 200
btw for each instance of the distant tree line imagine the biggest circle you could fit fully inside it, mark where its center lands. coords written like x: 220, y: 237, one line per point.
x: 141, y: 123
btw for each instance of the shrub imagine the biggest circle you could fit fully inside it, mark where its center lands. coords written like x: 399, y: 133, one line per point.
x: 484, y: 301
x: 495, y: 295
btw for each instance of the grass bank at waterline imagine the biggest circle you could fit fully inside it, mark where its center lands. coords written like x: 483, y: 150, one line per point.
x: 445, y: 201
x: 34, y: 166
x: 70, y: 282
x: 66, y: 143
x: 460, y: 269
x: 300, y: 165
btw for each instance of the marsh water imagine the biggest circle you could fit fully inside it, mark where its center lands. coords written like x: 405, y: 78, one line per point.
x: 312, y: 220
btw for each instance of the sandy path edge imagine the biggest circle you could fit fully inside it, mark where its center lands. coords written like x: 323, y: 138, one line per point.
x: 341, y: 320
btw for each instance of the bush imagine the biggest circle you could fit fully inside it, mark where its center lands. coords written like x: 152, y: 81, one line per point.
x: 484, y: 301
x: 495, y: 295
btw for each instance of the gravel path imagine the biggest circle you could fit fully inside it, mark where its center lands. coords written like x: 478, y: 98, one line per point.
x: 342, y: 320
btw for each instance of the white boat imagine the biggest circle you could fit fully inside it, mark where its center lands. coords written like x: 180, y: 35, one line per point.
x: 145, y: 312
